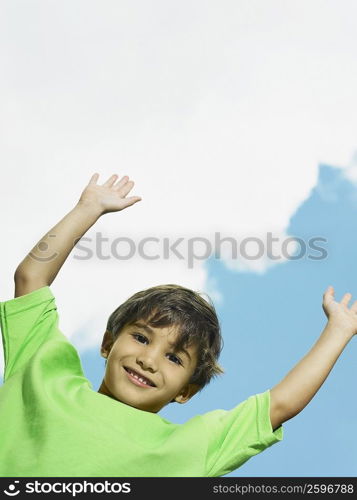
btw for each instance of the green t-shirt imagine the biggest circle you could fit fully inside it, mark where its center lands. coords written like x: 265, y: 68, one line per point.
x: 53, y: 423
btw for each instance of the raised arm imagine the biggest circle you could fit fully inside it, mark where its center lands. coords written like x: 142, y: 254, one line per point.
x: 40, y: 267
x: 301, y: 384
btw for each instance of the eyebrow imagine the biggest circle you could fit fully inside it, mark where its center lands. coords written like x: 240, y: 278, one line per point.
x: 152, y: 332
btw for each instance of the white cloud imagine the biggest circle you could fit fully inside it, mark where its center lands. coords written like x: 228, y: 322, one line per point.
x: 221, y: 113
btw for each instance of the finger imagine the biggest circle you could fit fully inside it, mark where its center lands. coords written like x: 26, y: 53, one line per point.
x: 131, y: 200
x: 346, y: 298
x: 354, y: 307
x: 329, y: 295
x: 94, y: 178
x: 111, y: 180
x: 124, y: 190
x: 121, y: 182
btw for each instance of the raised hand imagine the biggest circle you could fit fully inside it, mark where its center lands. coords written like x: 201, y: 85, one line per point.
x: 110, y: 196
x: 338, y: 313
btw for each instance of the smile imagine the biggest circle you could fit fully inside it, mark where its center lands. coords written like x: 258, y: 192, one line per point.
x: 138, y: 379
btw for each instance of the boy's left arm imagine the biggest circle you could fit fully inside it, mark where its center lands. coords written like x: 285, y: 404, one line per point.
x: 300, y: 385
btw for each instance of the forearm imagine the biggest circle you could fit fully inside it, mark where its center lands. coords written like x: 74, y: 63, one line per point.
x: 300, y: 385
x: 49, y: 254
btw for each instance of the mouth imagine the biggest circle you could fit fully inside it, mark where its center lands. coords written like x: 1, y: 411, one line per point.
x: 138, y: 379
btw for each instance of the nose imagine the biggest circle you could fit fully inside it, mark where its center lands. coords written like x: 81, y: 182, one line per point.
x: 147, y: 360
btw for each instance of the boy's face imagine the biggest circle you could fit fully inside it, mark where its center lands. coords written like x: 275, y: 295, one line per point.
x: 141, y: 351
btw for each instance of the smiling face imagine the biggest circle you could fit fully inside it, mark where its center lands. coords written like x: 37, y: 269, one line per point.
x: 143, y: 369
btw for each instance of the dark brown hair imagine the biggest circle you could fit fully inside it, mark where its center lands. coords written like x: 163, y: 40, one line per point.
x: 175, y: 305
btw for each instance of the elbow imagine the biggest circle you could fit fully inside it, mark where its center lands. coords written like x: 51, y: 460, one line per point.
x: 26, y: 283
x: 280, y: 410
x: 21, y: 274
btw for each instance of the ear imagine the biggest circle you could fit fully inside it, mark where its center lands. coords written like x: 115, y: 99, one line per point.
x: 186, y: 393
x: 107, y: 344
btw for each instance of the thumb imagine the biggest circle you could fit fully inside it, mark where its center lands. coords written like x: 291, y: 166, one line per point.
x: 131, y: 200
x: 93, y: 179
x: 329, y: 295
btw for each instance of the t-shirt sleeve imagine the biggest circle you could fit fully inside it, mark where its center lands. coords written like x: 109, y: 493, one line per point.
x: 26, y: 322
x: 236, y: 435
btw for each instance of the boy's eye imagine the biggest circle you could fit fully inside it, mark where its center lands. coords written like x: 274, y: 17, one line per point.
x: 141, y: 338
x: 175, y: 359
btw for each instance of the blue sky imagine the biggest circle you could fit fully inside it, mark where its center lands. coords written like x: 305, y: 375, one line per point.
x: 269, y: 322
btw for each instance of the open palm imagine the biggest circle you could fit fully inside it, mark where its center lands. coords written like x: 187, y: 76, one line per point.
x: 110, y: 196
x: 338, y: 312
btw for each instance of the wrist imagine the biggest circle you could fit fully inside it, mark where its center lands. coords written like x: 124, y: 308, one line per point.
x: 340, y: 331
x: 89, y: 209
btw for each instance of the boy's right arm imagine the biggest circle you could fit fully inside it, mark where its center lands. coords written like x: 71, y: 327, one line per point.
x: 40, y: 267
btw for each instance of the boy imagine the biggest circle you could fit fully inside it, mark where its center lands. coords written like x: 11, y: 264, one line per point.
x: 161, y: 346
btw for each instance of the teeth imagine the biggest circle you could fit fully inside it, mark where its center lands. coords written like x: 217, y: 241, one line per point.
x: 139, y: 378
